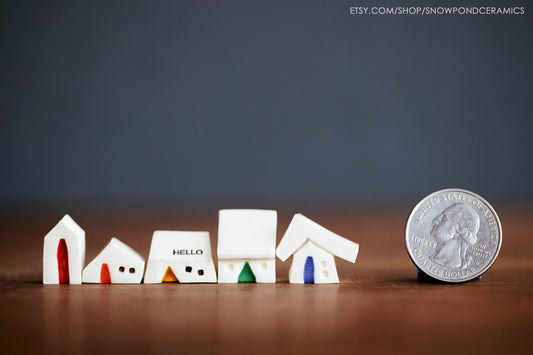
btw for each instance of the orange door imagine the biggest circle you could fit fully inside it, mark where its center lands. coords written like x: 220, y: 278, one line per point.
x: 169, y: 276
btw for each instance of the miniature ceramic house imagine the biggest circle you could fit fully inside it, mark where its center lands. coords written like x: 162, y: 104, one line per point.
x: 246, y: 246
x: 313, y: 247
x: 117, y: 263
x: 180, y: 257
x: 64, y: 253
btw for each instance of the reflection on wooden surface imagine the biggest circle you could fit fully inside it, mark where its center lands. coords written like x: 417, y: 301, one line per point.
x: 378, y: 307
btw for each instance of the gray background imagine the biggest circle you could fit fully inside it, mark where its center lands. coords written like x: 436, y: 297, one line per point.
x: 208, y: 102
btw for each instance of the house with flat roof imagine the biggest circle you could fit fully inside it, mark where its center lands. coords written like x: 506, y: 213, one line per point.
x: 180, y: 256
x: 247, y: 246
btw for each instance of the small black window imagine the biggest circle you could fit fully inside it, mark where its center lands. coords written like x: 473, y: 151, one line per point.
x: 121, y: 269
x: 201, y: 272
x: 132, y: 270
x: 188, y: 268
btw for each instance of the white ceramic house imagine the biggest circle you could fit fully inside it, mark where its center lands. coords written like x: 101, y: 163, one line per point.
x: 117, y: 263
x: 177, y: 256
x: 247, y: 246
x: 64, y: 253
x: 314, y: 248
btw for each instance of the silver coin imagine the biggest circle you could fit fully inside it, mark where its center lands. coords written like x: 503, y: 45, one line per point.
x: 453, y: 235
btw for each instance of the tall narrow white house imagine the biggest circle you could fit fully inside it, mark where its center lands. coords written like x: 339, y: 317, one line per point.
x: 179, y: 256
x: 314, y: 248
x: 247, y: 246
x: 117, y: 263
x: 64, y: 253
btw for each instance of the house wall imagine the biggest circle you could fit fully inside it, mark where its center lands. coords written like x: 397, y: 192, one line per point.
x: 324, y: 262
x: 115, y: 259
x: 263, y: 269
x: 156, y: 269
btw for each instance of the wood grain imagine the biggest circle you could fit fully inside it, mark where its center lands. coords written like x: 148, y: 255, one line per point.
x: 379, y: 306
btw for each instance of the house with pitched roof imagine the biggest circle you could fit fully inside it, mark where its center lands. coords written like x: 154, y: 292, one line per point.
x: 313, y: 248
x: 117, y: 263
x: 64, y: 253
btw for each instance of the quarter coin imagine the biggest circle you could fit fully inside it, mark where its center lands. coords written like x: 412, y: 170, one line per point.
x: 453, y: 235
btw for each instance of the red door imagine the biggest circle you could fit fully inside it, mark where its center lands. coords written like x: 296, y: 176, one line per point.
x: 105, y: 275
x: 62, y: 262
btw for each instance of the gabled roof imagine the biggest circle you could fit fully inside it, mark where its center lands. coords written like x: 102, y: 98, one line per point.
x: 72, y: 225
x: 302, y: 229
x: 115, y: 244
x: 68, y: 223
x: 247, y: 234
x: 168, y: 245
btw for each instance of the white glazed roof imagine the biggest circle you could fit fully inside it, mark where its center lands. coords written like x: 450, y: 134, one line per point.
x: 302, y: 229
x: 164, y: 243
x: 247, y: 234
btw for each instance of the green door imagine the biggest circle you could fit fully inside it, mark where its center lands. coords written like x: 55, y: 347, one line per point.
x: 246, y: 274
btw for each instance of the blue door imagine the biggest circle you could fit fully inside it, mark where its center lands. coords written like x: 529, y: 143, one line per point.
x: 309, y: 271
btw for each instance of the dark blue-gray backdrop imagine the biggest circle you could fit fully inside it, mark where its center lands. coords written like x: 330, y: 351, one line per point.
x: 194, y: 101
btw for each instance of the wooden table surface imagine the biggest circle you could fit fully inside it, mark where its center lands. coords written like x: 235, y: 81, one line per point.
x: 379, y: 306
